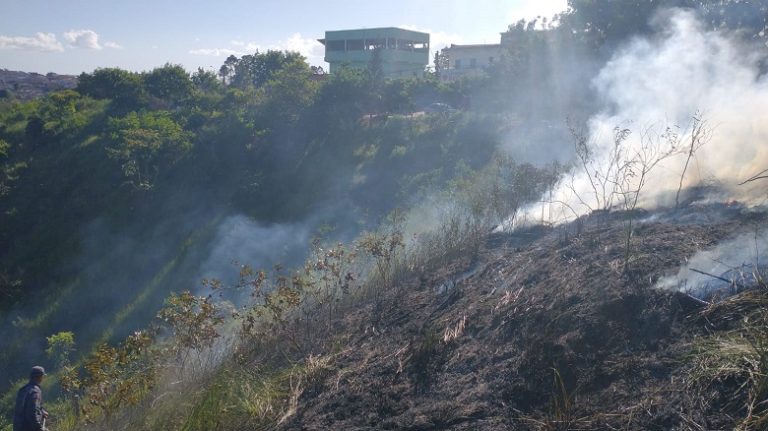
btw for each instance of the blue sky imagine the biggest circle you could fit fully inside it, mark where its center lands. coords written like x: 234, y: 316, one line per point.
x: 72, y: 36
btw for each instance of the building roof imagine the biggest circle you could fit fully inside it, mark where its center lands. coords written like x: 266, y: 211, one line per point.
x: 375, y: 33
x: 478, y: 45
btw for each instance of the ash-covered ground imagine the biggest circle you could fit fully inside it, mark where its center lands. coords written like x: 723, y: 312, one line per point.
x: 545, y: 328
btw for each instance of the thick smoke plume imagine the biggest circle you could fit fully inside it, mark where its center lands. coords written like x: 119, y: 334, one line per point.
x: 653, y: 87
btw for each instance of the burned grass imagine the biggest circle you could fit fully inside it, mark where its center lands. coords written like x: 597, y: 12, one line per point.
x: 544, y: 329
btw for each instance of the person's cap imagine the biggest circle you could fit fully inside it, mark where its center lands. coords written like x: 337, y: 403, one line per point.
x: 37, y: 371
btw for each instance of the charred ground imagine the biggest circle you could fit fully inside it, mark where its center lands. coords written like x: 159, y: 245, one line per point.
x: 542, y: 329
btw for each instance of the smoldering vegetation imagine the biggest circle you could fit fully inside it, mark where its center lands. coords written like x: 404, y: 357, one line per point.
x: 732, y: 266
x: 680, y: 108
x: 337, y: 258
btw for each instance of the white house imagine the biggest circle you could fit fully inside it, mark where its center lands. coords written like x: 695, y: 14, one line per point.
x: 464, y: 60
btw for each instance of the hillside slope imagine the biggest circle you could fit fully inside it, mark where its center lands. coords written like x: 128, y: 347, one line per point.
x: 543, y: 330
x: 27, y: 86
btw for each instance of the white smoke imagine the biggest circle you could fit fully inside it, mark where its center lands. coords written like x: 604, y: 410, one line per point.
x: 241, y: 240
x: 662, y: 81
x: 721, y: 270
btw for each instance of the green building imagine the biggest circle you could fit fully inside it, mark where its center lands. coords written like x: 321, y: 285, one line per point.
x: 402, y: 53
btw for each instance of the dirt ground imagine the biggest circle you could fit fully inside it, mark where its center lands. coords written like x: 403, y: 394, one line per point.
x: 545, y: 329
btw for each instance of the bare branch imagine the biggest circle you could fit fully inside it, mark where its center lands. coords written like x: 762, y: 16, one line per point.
x: 711, y: 275
x: 699, y: 136
x: 758, y: 176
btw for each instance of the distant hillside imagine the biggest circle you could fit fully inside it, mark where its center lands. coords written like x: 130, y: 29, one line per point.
x: 28, y: 86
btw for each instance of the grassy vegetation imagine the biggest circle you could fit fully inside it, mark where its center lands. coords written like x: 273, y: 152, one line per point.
x: 286, y: 337
x: 737, y: 358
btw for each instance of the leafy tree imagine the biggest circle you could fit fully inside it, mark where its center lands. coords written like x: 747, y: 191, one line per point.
x: 170, y: 83
x: 120, y: 376
x: 60, y: 346
x: 145, y: 142
x: 341, y: 99
x: 205, y: 81
x: 441, y: 62
x: 611, y: 21
x: 750, y: 16
x: 64, y: 113
x: 122, y: 87
x: 290, y: 91
x: 256, y: 69
x: 395, y: 96
x: 192, y: 320
x: 227, y: 69
x: 194, y: 326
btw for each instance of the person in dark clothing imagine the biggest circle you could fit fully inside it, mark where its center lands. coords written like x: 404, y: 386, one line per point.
x: 29, y: 414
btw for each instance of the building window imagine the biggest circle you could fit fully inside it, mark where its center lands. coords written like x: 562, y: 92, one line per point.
x: 355, y: 45
x: 334, y: 45
x: 372, y: 44
x: 457, y: 65
x: 490, y: 60
x: 472, y: 63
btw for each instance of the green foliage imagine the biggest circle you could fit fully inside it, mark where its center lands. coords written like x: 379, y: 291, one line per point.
x: 612, y: 21
x: 256, y: 69
x: 254, y: 397
x: 60, y: 116
x: 119, y: 376
x: 145, y: 143
x: 496, y: 194
x: 8, y: 173
x: 171, y: 83
x: 341, y: 100
x: 4, y: 148
x: 289, y: 91
x: 60, y: 346
x: 192, y: 320
x: 122, y: 87
x: 441, y: 62
x: 205, y: 81
x: 615, y: 20
x: 66, y: 113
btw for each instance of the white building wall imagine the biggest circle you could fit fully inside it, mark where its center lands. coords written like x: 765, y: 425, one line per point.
x: 465, y: 60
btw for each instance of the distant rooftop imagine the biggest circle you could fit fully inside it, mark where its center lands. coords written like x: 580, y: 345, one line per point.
x: 376, y: 33
x: 476, y: 45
